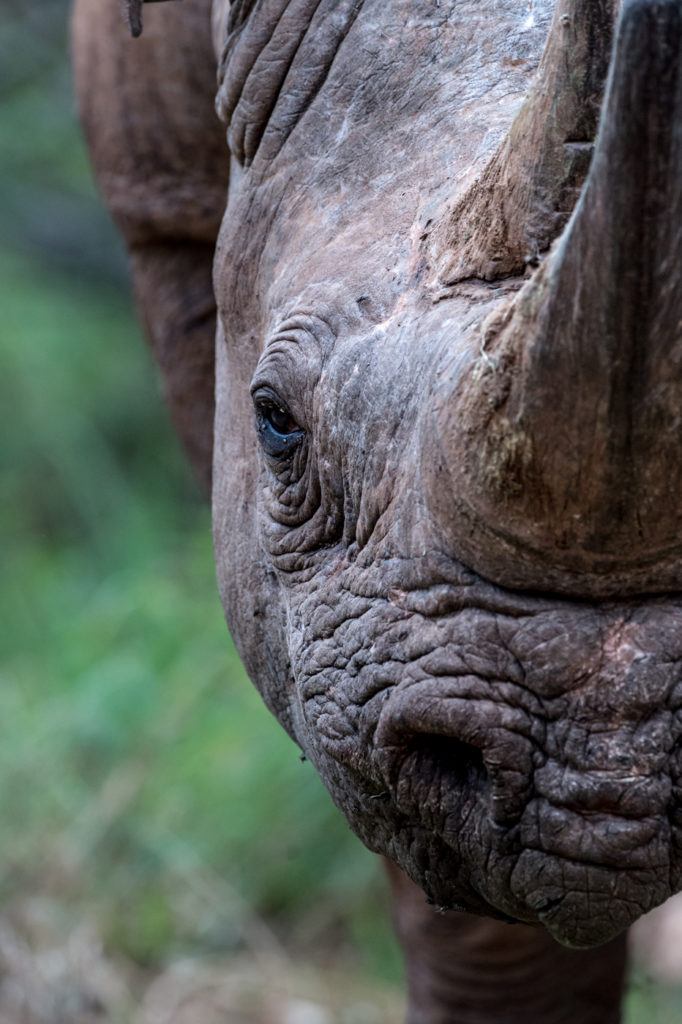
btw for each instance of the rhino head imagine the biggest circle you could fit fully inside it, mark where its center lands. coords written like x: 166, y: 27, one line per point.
x: 447, y: 469
x: 447, y: 448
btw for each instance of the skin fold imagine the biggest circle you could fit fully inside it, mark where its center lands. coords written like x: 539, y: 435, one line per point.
x: 451, y: 579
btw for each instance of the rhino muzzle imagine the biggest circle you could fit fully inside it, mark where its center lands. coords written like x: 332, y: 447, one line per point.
x: 561, y: 781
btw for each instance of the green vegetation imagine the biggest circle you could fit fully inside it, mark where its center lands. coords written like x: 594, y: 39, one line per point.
x: 141, y: 780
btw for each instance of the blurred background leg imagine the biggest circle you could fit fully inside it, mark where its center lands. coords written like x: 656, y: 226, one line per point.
x: 161, y: 160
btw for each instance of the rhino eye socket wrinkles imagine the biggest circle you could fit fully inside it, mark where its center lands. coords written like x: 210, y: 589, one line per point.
x: 278, y: 431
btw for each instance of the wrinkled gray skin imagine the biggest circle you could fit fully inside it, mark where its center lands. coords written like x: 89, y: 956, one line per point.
x: 456, y: 581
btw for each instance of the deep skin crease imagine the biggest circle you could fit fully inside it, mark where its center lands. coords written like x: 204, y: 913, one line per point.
x: 498, y: 714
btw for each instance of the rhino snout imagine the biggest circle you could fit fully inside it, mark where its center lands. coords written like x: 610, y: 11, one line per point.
x: 473, y: 748
x: 570, y: 794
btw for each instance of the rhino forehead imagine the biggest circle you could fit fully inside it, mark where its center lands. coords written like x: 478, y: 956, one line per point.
x: 324, y: 136
x: 337, y: 57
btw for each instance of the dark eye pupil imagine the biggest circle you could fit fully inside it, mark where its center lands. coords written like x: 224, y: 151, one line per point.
x: 279, y: 419
x: 278, y: 432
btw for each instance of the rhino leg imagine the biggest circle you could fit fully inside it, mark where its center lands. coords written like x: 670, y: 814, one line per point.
x: 475, y: 970
x: 160, y: 158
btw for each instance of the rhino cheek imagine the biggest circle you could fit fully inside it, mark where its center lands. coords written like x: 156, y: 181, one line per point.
x: 250, y: 593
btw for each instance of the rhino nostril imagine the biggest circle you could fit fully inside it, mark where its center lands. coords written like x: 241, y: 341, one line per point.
x: 454, y: 761
x: 452, y: 770
x: 439, y: 754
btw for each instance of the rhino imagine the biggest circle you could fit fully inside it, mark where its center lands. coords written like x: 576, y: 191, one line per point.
x: 416, y: 295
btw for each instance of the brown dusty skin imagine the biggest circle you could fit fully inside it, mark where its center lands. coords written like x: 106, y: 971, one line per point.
x: 446, y: 470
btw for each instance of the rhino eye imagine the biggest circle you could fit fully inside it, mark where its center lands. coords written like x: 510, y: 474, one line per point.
x: 278, y: 431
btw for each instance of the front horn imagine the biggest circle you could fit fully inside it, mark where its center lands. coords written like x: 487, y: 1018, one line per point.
x: 567, y: 452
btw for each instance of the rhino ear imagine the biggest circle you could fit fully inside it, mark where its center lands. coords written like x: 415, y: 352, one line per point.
x: 162, y: 165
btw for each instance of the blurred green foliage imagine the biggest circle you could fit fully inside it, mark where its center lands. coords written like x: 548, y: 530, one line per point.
x: 140, y: 775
